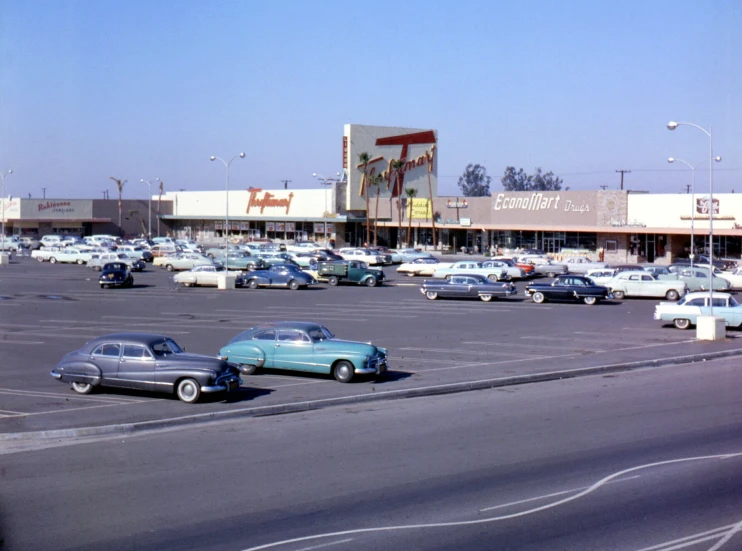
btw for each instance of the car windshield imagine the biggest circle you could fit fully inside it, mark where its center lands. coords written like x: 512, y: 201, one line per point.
x: 165, y: 347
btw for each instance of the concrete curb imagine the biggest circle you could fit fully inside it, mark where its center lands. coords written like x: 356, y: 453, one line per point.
x: 296, y: 407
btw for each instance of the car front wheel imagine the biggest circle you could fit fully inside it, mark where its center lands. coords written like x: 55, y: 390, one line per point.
x: 371, y: 282
x: 169, y: 267
x: 252, y: 284
x: 53, y: 260
x: 538, y: 298
x: 293, y: 285
x: 619, y: 295
x: 431, y: 295
x: 590, y: 300
x: 248, y: 369
x: 485, y: 298
x: 344, y: 371
x: 188, y: 391
x: 82, y: 388
x: 681, y: 324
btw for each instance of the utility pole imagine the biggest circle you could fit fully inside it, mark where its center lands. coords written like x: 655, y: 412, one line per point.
x: 622, y: 173
x: 687, y: 188
x: 43, y: 191
x: 286, y: 183
x: 603, y: 187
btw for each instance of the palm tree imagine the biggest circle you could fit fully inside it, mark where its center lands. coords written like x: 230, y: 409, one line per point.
x: 136, y: 214
x: 120, y: 187
x: 376, y: 181
x: 363, y: 160
x: 397, y: 166
x: 430, y: 195
x: 411, y: 194
x: 159, y: 199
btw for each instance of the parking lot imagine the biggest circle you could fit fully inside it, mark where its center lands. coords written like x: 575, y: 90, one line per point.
x: 48, y: 310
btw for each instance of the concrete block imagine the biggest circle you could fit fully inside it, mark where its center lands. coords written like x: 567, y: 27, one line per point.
x: 226, y: 282
x: 4, y: 258
x: 710, y: 328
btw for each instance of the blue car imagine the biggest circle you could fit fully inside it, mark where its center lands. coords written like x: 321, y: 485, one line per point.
x: 287, y: 276
x: 303, y: 346
x: 408, y: 255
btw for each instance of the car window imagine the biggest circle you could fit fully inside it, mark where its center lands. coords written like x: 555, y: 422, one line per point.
x: 646, y: 278
x: 696, y: 302
x: 136, y: 351
x: 635, y: 278
x: 319, y: 334
x: 292, y: 336
x: 720, y: 302
x: 265, y: 336
x: 108, y: 349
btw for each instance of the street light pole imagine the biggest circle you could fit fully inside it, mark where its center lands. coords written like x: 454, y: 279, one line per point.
x: 149, y: 210
x: 692, y: 198
x: 672, y: 125
x: 2, y: 177
x: 226, y: 211
x: 326, y: 182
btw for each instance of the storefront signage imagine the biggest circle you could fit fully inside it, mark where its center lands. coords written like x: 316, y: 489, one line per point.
x: 56, y: 206
x: 345, y: 151
x: 268, y: 200
x: 319, y: 227
x: 426, y: 159
x: 457, y: 204
x: 419, y: 208
x: 270, y: 226
x: 703, y: 205
x: 465, y: 222
x: 60, y: 209
x: 538, y: 201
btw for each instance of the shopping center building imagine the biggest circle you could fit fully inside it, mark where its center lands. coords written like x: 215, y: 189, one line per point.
x: 398, y: 181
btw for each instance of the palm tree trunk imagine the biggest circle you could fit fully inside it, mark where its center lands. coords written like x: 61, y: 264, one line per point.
x: 432, y: 212
x: 376, y: 216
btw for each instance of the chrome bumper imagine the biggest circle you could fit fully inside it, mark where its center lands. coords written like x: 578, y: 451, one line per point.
x: 229, y: 385
x: 374, y: 366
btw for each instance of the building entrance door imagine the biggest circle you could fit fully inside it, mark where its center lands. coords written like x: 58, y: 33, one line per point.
x: 553, y: 244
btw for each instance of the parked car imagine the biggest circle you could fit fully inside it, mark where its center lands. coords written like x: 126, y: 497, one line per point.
x: 98, y: 260
x: 644, y: 284
x: 9, y: 243
x: 280, y: 275
x: 697, y: 278
x: 466, y: 286
x: 734, y: 277
x: 544, y: 266
x: 29, y: 242
x: 601, y: 276
x: 303, y: 346
x: 527, y: 267
x: 408, y: 255
x: 208, y: 275
x: 241, y: 261
x: 703, y: 260
x: 581, y: 264
x: 495, y: 272
x: 116, y: 274
x: 568, y: 287
x: 389, y: 256
x: 684, y: 313
x: 364, y: 255
x: 70, y: 255
x: 303, y: 246
x: 138, y: 251
x: 45, y: 253
x: 423, y: 266
x: 660, y: 272
x: 353, y: 271
x: 145, y: 361
x: 513, y: 271
x: 186, y: 261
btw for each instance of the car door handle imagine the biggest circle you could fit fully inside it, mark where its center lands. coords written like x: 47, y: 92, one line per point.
x: 278, y: 346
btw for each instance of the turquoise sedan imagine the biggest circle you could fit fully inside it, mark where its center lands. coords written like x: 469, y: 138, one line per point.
x: 303, y: 346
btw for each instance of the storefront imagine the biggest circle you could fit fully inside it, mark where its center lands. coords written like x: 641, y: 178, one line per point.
x: 278, y: 215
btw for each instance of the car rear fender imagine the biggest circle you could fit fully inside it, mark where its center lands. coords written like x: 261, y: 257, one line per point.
x: 79, y: 372
x: 243, y: 354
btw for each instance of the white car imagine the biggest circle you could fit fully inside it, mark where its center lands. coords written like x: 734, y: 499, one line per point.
x: 581, y: 264
x: 70, y: 255
x: 423, y: 266
x: 207, y: 275
x: 686, y: 311
x: 494, y: 272
x: 644, y: 284
x: 734, y: 277
x: 303, y: 247
x: 364, y: 255
x: 99, y: 259
x: 601, y: 276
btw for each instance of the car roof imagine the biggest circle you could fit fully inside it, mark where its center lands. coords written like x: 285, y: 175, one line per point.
x: 698, y: 294
x: 131, y: 338
x: 302, y: 325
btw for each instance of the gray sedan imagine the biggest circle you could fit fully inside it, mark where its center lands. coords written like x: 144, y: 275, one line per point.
x: 466, y: 286
x: 145, y: 361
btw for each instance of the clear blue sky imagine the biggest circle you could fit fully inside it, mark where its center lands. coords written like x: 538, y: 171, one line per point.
x: 145, y: 89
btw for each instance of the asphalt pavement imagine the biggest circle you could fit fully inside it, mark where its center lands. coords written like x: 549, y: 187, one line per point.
x: 435, y: 347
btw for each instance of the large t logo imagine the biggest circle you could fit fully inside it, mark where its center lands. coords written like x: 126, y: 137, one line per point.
x: 405, y: 140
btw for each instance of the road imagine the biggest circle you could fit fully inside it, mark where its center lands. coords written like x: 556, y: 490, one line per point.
x: 631, y: 461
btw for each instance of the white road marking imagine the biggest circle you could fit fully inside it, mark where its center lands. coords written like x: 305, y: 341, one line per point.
x: 555, y: 494
x: 600, y: 483
x: 8, y: 341
x: 727, y: 537
x: 325, y: 545
x: 69, y: 396
x: 521, y: 345
x: 690, y: 541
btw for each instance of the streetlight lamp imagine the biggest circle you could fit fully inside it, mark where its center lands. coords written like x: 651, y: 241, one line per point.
x: 692, y: 198
x: 149, y: 210
x: 226, y: 212
x: 2, y: 177
x: 672, y: 125
x: 326, y: 182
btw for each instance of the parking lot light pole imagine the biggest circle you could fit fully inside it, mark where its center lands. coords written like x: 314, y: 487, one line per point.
x: 672, y: 125
x: 326, y: 182
x: 692, y: 198
x: 226, y: 211
x: 149, y: 210
x: 2, y: 177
